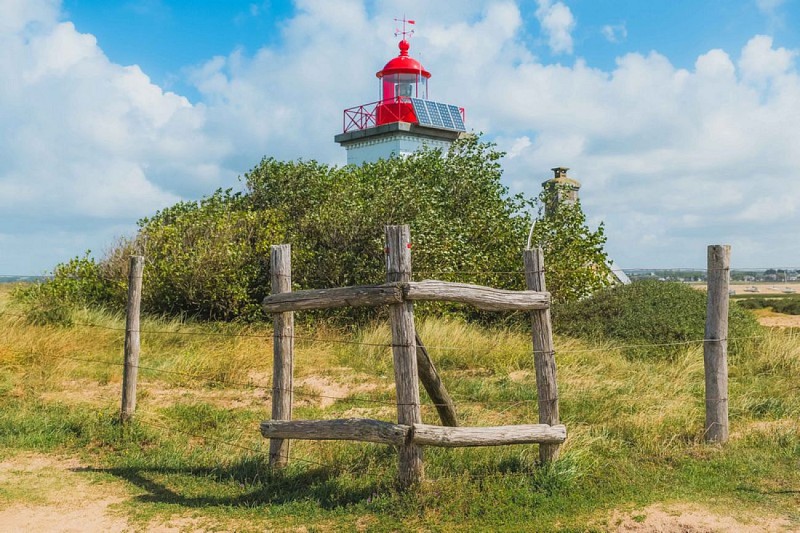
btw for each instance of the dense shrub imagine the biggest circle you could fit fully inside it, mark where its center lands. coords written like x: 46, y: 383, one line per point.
x: 80, y: 281
x: 461, y: 216
x: 649, y: 312
x: 789, y: 305
x: 210, y: 258
x: 576, y: 264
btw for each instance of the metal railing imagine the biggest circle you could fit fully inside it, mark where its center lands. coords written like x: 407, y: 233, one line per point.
x: 366, y: 116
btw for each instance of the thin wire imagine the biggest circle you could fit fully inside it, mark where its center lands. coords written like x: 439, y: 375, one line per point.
x: 487, y: 272
x: 469, y: 475
x: 617, y: 269
x: 357, y: 399
x: 221, y: 441
x: 217, y: 334
x: 391, y: 345
x: 388, y: 344
x: 338, y: 465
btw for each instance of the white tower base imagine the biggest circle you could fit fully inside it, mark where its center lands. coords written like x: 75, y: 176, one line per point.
x: 398, y: 138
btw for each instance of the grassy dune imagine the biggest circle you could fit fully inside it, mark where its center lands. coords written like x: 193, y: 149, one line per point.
x: 635, y: 428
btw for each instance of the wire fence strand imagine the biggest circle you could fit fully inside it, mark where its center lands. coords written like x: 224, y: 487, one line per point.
x: 218, y: 440
x: 337, y: 466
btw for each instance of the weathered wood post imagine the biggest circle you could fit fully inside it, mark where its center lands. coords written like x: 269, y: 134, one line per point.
x: 544, y: 357
x: 435, y: 388
x: 398, y: 270
x: 715, y: 347
x: 283, y: 353
x: 130, y: 369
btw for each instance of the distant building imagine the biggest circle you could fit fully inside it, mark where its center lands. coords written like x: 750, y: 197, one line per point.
x: 566, y: 191
x: 565, y: 188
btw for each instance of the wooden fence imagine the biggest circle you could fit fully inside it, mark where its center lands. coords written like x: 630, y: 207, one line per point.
x: 413, y: 364
x: 411, y: 361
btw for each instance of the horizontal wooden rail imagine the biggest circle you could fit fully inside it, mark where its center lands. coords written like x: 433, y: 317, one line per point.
x: 425, y: 435
x: 485, y: 298
x: 360, y: 429
x: 367, y: 430
x: 359, y: 296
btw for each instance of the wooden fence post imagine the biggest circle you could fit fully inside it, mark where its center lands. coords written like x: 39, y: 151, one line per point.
x: 544, y: 358
x: 398, y: 270
x: 283, y: 353
x: 715, y: 347
x: 130, y: 369
x: 433, y: 385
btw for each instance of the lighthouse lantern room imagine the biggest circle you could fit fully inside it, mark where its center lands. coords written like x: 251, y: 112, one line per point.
x: 403, y: 120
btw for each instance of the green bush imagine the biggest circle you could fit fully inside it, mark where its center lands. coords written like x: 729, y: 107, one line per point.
x: 79, y: 282
x: 461, y: 217
x: 649, y: 312
x: 789, y: 305
x: 210, y: 259
x: 576, y: 264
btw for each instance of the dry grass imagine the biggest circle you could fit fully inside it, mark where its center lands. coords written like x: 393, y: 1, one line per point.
x: 635, y: 426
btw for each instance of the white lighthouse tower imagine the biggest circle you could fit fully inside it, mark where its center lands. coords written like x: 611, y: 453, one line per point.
x: 403, y: 119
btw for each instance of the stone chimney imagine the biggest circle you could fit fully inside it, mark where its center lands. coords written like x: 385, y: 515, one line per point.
x: 566, y: 189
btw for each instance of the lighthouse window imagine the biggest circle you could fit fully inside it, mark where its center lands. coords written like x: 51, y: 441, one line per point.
x: 405, y: 89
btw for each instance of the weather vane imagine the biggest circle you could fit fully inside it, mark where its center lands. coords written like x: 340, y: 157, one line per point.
x: 404, y: 32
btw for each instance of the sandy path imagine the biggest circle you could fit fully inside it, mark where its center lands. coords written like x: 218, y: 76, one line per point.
x: 687, y: 518
x: 48, y: 493
x: 57, y: 497
x: 777, y: 320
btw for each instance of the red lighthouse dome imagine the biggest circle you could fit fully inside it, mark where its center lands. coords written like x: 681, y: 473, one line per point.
x: 403, y: 120
x: 401, y: 79
x: 403, y: 64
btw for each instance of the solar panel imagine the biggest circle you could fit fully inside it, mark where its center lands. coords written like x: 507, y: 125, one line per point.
x: 433, y: 111
x: 421, y: 111
x: 437, y: 114
x: 447, y: 120
x: 455, y: 112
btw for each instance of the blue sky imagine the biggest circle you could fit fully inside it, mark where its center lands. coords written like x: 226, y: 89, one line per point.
x: 681, y: 118
x: 164, y: 37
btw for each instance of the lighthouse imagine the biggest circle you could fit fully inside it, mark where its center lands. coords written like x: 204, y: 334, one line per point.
x: 403, y: 119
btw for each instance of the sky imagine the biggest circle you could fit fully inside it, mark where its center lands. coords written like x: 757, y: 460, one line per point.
x: 681, y: 118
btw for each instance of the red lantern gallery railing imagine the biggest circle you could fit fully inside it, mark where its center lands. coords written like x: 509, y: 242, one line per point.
x: 401, y: 109
x: 375, y: 113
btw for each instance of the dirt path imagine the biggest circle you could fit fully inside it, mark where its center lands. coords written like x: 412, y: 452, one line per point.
x: 689, y: 518
x: 48, y: 493
x: 43, y: 493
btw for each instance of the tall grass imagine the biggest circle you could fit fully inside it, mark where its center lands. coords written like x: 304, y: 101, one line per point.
x: 635, y: 425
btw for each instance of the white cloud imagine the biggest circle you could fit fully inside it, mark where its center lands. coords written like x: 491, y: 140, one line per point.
x: 518, y: 146
x: 771, y: 9
x: 760, y: 61
x: 616, y: 33
x: 671, y: 159
x: 86, y: 139
x: 557, y: 24
x: 769, y: 6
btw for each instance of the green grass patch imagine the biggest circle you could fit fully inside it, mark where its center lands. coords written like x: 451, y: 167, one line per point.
x: 635, y: 430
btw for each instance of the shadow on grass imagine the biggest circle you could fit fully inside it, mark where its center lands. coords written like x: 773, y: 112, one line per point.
x: 248, y: 483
